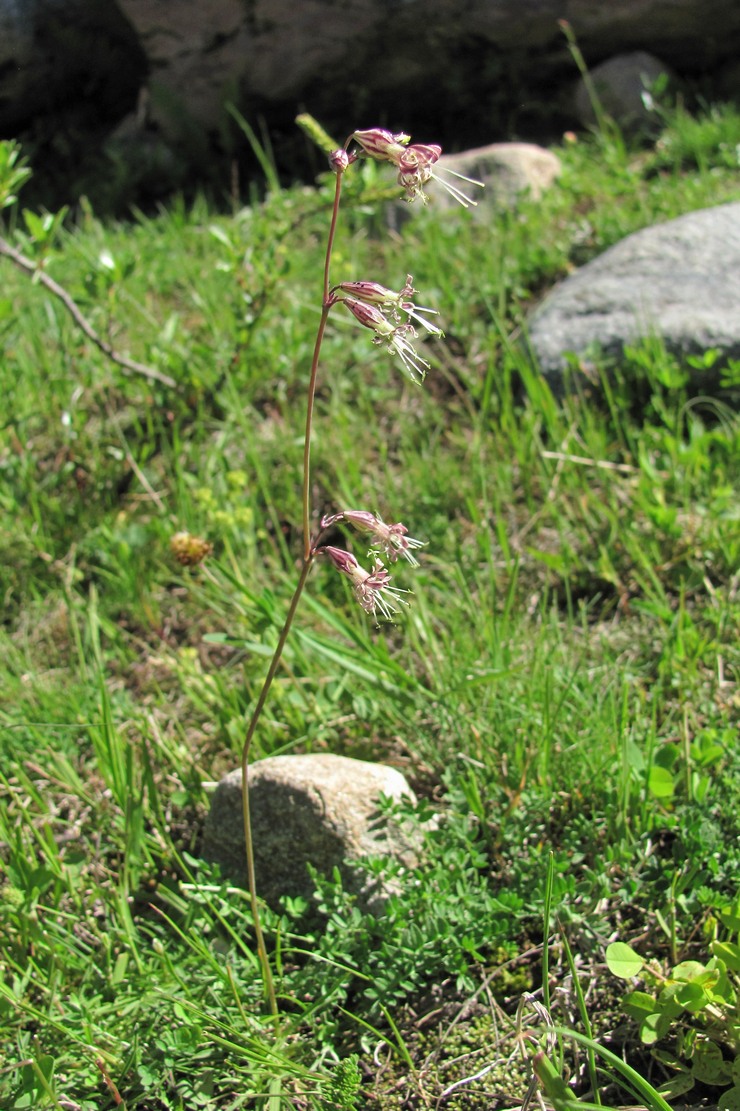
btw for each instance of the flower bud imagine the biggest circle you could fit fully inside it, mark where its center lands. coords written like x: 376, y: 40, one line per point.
x: 339, y: 161
x: 371, y: 292
x: 343, y: 560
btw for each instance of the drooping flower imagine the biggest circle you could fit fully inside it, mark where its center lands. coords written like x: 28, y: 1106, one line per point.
x: 415, y: 164
x: 372, y: 589
x: 397, y: 337
x: 372, y: 293
x: 392, y: 540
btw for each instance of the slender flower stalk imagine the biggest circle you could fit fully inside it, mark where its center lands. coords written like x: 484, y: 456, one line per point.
x: 389, y: 315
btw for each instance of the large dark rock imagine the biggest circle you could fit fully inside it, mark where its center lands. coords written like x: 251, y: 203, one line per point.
x: 678, y: 281
x: 434, y: 66
x: 64, y: 60
x: 458, y: 72
x: 622, y: 85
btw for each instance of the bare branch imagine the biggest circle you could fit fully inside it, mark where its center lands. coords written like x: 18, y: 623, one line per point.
x: 43, y: 278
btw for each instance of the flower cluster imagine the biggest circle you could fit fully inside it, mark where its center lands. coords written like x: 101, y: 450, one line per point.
x: 372, y: 293
x: 392, y: 316
x: 372, y: 589
x: 376, y: 307
x: 415, y: 164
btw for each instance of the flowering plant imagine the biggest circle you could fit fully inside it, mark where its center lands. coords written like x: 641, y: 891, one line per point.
x: 392, y: 317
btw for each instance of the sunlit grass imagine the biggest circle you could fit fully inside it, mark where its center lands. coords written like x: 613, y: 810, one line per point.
x: 573, y: 628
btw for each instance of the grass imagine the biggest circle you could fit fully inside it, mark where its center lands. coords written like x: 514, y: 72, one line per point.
x: 563, y: 694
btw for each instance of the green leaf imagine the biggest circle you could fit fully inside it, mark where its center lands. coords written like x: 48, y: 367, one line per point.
x: 654, y: 1027
x: 730, y: 916
x: 667, y: 756
x: 552, y: 1082
x: 34, y: 224
x: 730, y: 1100
x: 661, y: 783
x: 638, y: 1005
x: 692, y: 997
x: 728, y: 952
x: 623, y: 961
x: 687, y: 971
x: 678, y: 1085
x: 708, y: 1065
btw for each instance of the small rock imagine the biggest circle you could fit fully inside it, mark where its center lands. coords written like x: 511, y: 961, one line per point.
x: 316, y: 809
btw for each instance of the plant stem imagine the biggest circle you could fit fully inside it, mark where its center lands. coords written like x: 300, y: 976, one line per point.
x: 249, y: 847
x: 308, y: 558
x: 307, y: 439
x: 326, y: 306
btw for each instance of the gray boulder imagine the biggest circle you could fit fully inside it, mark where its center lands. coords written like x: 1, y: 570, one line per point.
x: 679, y: 281
x: 317, y: 809
x: 621, y: 84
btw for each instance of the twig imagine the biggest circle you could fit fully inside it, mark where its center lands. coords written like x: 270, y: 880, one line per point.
x: 30, y: 267
x: 624, y: 468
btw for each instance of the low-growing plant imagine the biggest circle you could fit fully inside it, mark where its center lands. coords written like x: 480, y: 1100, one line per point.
x: 694, y: 1006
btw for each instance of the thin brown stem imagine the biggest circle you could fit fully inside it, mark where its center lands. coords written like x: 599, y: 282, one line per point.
x: 332, y: 232
x: 326, y: 306
x: 256, y: 714
x: 307, y: 437
x: 30, y: 267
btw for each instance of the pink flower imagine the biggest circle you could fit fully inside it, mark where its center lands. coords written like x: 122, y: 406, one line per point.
x: 372, y: 589
x: 415, y: 164
x: 395, y: 335
x: 372, y: 293
x: 392, y: 540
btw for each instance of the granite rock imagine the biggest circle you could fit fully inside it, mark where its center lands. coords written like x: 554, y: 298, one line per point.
x: 316, y: 809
